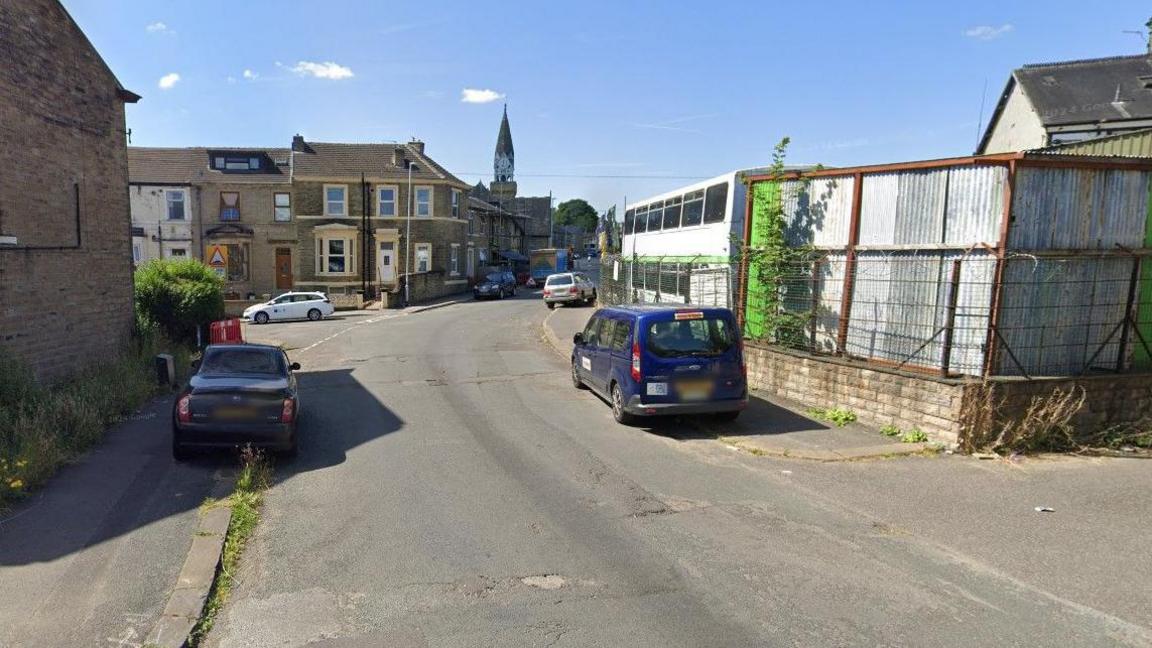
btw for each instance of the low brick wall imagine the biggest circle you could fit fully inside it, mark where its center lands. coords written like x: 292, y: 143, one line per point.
x: 877, y: 396
x: 881, y: 396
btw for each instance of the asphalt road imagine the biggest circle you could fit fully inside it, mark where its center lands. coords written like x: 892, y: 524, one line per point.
x: 453, y: 489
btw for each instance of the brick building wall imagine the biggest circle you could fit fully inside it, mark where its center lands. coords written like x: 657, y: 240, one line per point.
x: 65, y: 300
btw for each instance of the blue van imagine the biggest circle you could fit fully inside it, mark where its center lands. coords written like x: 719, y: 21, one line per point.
x: 648, y: 360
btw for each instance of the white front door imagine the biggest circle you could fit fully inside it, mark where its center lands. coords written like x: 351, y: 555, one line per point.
x: 386, y: 263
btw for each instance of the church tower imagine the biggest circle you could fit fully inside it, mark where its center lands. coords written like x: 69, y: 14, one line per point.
x: 504, y: 165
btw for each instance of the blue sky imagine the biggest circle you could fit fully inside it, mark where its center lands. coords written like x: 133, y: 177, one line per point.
x: 621, y: 89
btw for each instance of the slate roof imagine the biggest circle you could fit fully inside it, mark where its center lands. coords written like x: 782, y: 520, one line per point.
x: 1074, y: 92
x: 333, y: 160
x: 1113, y: 89
x: 192, y: 165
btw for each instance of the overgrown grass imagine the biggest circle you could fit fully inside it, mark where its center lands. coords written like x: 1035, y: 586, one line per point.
x: 43, y: 427
x: 838, y: 416
x: 245, y: 500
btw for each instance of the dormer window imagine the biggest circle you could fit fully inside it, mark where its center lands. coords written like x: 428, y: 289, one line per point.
x: 237, y: 162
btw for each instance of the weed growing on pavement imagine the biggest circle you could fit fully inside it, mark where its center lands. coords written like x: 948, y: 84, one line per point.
x: 837, y: 416
x: 42, y: 427
x: 915, y: 435
x: 245, y: 500
x: 890, y: 430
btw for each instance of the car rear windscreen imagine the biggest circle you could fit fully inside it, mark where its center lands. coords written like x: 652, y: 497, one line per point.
x: 560, y: 280
x: 242, y: 362
x: 697, y: 337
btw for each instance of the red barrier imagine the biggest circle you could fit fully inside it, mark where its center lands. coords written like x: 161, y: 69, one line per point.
x: 226, y: 332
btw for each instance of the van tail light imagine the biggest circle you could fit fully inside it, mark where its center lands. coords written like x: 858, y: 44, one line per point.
x: 636, y: 361
x: 184, y: 409
x: 288, y: 411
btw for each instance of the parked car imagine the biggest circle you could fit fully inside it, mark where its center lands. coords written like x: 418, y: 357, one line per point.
x: 496, y: 285
x: 648, y: 360
x: 239, y: 394
x: 569, y: 288
x: 293, y: 305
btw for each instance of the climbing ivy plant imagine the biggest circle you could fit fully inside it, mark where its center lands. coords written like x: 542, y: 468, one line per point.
x: 779, y: 270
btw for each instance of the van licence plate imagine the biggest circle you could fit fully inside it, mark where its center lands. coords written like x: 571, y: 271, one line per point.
x: 694, y: 390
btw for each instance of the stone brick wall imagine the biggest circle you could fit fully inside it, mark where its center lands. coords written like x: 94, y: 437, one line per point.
x: 877, y: 396
x: 881, y: 396
x: 61, y: 128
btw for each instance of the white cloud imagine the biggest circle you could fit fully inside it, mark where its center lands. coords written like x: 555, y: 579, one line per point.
x: 231, y: 79
x: 158, y: 28
x: 250, y: 75
x: 327, y: 70
x: 168, y: 80
x: 988, y: 32
x: 478, y: 96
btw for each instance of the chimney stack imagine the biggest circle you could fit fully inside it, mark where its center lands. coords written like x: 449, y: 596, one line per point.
x: 398, y: 157
x: 298, y: 143
x: 417, y: 145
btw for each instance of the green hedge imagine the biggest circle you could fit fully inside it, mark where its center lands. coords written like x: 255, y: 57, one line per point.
x: 178, y: 295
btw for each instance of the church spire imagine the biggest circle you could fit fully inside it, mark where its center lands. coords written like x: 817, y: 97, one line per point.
x: 504, y: 162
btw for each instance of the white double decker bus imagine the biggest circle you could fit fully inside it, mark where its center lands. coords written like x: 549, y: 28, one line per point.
x: 694, y: 221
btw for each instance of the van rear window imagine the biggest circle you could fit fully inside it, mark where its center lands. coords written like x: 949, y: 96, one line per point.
x: 698, y: 337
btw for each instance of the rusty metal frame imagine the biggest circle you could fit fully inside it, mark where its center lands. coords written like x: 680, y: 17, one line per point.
x: 990, y: 343
x: 997, y: 159
x: 742, y: 280
x: 850, y: 263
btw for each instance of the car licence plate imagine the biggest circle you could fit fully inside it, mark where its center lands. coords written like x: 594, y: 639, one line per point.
x: 236, y: 413
x: 694, y: 390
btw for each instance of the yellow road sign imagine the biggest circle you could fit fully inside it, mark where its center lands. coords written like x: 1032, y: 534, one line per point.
x: 217, y: 256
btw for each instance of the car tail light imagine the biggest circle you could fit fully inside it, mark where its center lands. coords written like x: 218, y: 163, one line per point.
x: 184, y: 409
x: 288, y: 411
x: 547, y: 293
x: 636, y: 361
x: 327, y: 301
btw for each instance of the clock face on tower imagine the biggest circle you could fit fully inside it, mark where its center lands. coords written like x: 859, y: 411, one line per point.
x: 503, y: 167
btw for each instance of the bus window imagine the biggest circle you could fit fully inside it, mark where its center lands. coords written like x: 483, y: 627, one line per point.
x: 641, y: 219
x: 693, y: 208
x: 672, y: 213
x: 716, y: 203
x: 628, y: 216
x: 655, y: 214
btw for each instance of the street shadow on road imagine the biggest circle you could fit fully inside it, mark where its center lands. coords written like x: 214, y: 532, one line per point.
x: 338, y: 414
x: 761, y: 418
x: 130, y: 482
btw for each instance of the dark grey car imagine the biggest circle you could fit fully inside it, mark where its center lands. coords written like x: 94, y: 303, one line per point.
x: 497, y: 285
x: 240, y: 394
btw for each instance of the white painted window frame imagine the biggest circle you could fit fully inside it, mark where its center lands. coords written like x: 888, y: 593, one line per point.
x: 343, y: 203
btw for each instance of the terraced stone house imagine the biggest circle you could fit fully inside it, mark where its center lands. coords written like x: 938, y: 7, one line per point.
x: 193, y: 201
x: 351, y: 202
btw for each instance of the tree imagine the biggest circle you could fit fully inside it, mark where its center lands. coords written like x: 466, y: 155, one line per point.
x: 576, y: 212
x: 178, y: 295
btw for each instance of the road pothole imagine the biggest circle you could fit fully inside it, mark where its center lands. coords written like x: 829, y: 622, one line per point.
x: 545, y: 582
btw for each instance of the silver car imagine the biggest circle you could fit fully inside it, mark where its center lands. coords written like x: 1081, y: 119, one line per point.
x: 569, y: 288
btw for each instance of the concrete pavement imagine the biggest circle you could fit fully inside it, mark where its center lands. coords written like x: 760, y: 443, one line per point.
x: 453, y: 489
x: 90, y: 558
x: 770, y: 426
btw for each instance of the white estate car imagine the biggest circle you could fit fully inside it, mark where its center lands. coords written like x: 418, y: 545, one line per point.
x: 293, y: 305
